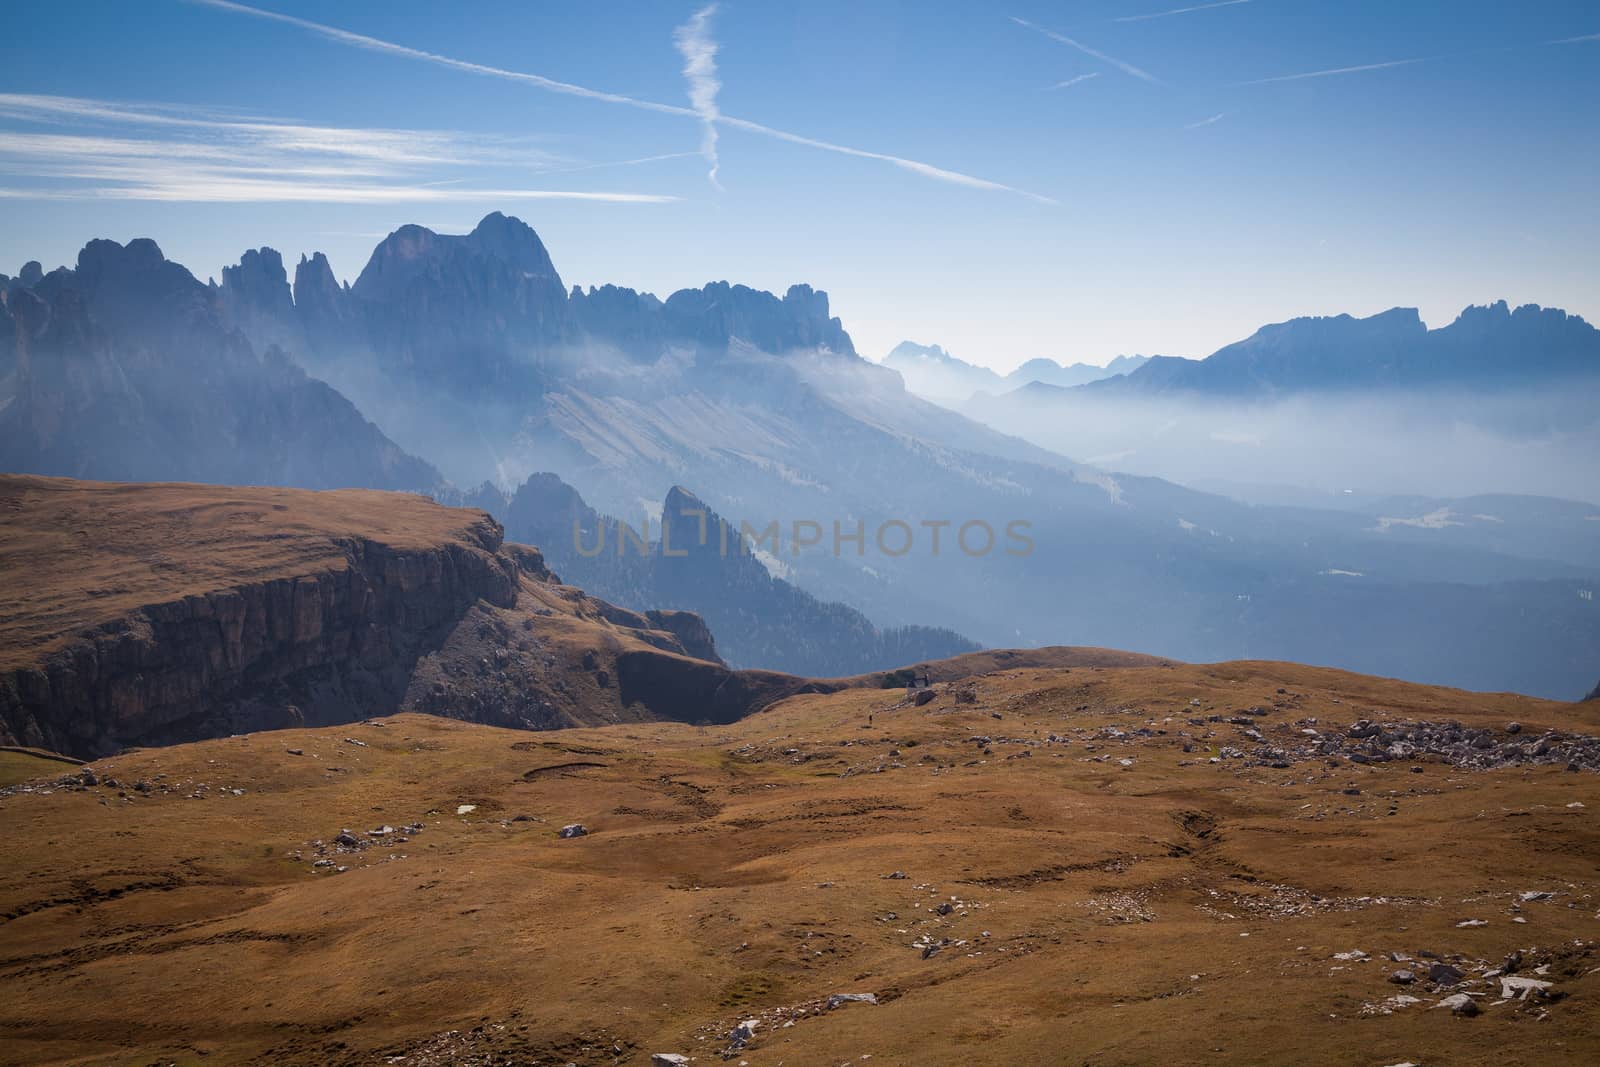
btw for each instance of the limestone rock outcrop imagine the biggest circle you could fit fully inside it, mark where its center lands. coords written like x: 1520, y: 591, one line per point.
x: 149, y: 615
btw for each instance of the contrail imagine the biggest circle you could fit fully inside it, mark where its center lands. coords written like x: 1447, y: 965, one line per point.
x: 1336, y: 70
x: 1126, y: 68
x: 925, y: 169
x: 1070, y: 82
x: 374, y: 44
x: 699, y: 51
x: 1179, y: 11
x: 1206, y: 122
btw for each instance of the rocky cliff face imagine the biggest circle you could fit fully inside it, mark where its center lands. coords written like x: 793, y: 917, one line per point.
x: 312, y: 648
x: 693, y: 633
x: 347, y: 605
x: 8, y: 343
x: 255, y: 293
x: 327, y: 318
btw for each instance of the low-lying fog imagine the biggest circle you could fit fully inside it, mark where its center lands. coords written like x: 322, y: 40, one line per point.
x: 1313, y: 448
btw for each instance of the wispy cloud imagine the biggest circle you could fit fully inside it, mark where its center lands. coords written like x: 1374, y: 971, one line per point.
x: 699, y: 52
x: 1070, y: 82
x: 102, y: 150
x: 1336, y: 70
x: 1126, y: 68
x: 380, y: 146
x: 190, y: 187
x: 539, y: 81
x: 1179, y: 11
x: 1207, y: 122
x: 1576, y: 40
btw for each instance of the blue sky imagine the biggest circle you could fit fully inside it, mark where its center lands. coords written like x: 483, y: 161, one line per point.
x: 1073, y: 180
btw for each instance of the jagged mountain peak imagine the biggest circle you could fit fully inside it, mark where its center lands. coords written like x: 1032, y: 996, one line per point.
x: 499, y: 238
x: 679, y: 498
x: 313, y: 273
x: 912, y: 350
x: 103, y: 257
x: 259, y: 281
x: 719, y: 312
x: 1500, y: 314
x: 509, y: 238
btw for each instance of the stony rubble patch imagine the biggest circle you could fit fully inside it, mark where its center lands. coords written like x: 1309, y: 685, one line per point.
x: 1526, y: 980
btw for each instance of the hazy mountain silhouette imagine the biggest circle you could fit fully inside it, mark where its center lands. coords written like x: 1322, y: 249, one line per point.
x: 470, y: 350
x: 126, y: 368
x: 1485, y: 347
x: 934, y: 374
x: 694, y: 560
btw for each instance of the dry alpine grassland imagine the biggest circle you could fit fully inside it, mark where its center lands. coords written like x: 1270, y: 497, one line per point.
x: 1103, y: 865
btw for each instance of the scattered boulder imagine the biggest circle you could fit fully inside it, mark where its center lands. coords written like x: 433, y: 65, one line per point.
x: 1459, y: 1004
x: 668, y: 1059
x: 576, y: 829
x: 740, y: 1035
x: 924, y: 696
x: 1517, y: 987
x: 839, y: 999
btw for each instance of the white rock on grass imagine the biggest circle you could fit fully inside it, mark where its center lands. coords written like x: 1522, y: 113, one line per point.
x: 851, y: 998
x: 1519, y: 987
x: 1459, y: 1004
x: 668, y: 1059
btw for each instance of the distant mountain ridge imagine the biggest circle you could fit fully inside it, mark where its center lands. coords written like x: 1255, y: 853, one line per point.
x: 694, y: 560
x: 1485, y: 347
x: 933, y: 373
x: 125, y: 367
x: 447, y: 307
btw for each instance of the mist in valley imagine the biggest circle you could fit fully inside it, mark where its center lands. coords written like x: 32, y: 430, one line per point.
x: 1322, y: 447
